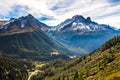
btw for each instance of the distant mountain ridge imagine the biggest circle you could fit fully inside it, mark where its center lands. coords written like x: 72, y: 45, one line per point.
x: 79, y: 25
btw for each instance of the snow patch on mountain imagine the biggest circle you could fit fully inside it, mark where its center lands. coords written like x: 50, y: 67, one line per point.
x: 22, y: 25
x: 79, y: 26
x: 9, y: 22
x: 23, y: 22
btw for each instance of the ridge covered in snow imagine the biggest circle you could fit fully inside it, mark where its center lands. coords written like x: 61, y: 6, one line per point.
x: 80, y: 24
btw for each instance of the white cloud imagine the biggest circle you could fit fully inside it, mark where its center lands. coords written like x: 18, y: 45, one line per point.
x: 5, y: 7
x: 101, y: 11
x: 112, y: 20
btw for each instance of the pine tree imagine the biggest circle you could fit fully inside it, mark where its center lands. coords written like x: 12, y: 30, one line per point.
x: 81, y: 76
x: 67, y: 78
x: 76, y: 76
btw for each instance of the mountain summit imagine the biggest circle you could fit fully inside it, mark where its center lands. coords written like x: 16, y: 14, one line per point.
x: 23, y: 24
x: 79, y: 24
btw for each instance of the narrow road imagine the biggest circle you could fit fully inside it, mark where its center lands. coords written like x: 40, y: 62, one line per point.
x: 33, y: 73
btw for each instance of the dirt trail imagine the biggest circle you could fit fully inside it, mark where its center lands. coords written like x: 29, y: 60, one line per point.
x: 33, y: 73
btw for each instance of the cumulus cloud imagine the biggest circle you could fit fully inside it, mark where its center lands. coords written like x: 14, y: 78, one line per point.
x: 52, y: 12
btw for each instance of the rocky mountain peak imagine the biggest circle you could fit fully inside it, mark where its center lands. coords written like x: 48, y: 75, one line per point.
x: 88, y: 19
x: 79, y: 24
x: 78, y: 18
x: 23, y: 24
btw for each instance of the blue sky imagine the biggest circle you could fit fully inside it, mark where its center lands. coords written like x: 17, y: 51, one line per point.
x: 52, y: 12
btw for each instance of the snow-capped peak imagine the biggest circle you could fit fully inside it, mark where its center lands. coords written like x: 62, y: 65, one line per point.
x: 80, y: 24
x: 25, y: 23
x: 20, y: 22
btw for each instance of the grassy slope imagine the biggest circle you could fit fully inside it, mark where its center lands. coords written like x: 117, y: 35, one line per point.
x: 103, y: 64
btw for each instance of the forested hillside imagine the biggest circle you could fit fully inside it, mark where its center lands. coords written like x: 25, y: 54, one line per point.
x: 12, y: 69
x: 102, y: 64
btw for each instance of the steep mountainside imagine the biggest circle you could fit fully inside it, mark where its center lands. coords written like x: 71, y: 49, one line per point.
x: 24, y: 38
x: 82, y: 35
x: 103, y: 64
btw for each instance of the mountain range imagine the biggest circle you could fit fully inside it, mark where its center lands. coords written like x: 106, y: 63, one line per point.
x: 82, y: 35
x: 45, y: 51
x: 28, y: 38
